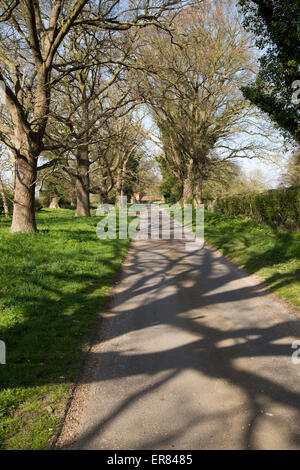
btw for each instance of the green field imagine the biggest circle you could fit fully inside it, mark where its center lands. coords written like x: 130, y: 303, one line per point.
x: 52, y: 285
x: 275, y: 256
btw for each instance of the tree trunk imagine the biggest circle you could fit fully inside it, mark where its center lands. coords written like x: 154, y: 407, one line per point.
x: 188, y: 186
x: 54, y: 202
x: 119, y: 187
x: 24, y: 196
x: 199, y: 196
x: 14, y: 172
x: 27, y: 142
x: 187, y: 191
x: 4, y: 200
x: 82, y: 184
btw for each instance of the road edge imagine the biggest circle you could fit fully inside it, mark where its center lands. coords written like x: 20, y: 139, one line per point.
x: 79, y: 390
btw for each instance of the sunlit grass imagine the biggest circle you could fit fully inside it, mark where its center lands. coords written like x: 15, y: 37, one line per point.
x: 52, y: 285
x: 275, y: 256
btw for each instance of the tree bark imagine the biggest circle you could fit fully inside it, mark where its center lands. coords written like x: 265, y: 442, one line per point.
x: 54, y: 202
x: 73, y: 201
x: 187, y: 191
x: 188, y: 184
x: 28, y: 141
x: 82, y: 184
x: 24, y: 195
x: 119, y: 186
x: 4, y: 200
x: 199, y: 195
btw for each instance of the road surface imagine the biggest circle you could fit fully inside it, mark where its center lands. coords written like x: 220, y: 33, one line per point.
x: 196, y: 357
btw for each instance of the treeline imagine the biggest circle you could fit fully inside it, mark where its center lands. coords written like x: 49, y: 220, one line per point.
x: 78, y: 78
x: 68, y: 115
x: 279, y: 208
x: 199, y: 142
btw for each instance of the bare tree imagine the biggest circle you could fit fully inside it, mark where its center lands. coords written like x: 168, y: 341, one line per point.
x: 291, y: 175
x: 82, y: 104
x: 115, y: 159
x: 191, y: 82
x: 32, y: 33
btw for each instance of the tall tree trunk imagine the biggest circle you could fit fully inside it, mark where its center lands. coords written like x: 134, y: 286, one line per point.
x: 4, y: 200
x: 14, y: 172
x: 119, y: 186
x: 188, y: 186
x: 83, y: 163
x: 28, y: 141
x: 199, y: 195
x: 24, y: 196
x: 82, y: 184
x: 187, y: 191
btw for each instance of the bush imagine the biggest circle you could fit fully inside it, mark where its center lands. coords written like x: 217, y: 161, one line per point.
x: 64, y: 202
x: 277, y: 207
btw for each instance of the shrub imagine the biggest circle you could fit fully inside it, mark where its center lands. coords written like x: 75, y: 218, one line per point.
x: 64, y: 202
x: 277, y: 207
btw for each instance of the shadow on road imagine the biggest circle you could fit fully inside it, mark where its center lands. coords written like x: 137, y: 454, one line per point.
x: 200, y: 286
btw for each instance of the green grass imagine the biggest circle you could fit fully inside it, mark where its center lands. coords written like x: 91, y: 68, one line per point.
x: 52, y: 285
x: 260, y: 250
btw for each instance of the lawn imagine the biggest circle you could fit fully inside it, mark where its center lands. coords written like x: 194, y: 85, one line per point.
x: 52, y: 285
x: 259, y: 249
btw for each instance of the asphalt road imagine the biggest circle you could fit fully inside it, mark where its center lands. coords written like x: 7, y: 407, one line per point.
x: 196, y: 357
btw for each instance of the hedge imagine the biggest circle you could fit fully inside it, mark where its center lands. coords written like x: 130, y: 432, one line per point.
x: 279, y: 208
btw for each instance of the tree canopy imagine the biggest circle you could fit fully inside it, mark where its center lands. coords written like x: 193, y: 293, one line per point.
x: 276, y: 26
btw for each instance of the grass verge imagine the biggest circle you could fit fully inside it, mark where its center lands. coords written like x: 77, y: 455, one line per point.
x: 275, y: 256
x: 52, y: 284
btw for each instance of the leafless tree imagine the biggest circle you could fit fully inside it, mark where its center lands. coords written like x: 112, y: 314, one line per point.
x: 31, y: 36
x: 191, y: 83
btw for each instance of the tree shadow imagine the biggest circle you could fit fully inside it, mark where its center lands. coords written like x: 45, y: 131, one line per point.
x: 181, y: 290
x: 51, y: 298
x: 172, y: 293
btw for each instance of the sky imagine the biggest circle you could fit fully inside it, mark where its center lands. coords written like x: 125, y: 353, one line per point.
x: 271, y: 171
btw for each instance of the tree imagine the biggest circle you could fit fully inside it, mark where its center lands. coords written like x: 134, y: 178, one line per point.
x: 191, y: 82
x: 276, y: 25
x: 6, y: 184
x: 147, y: 180
x: 171, y: 187
x: 56, y: 187
x: 224, y: 180
x: 85, y: 100
x: 3, y: 195
x: 291, y: 176
x: 31, y: 37
x: 116, y: 157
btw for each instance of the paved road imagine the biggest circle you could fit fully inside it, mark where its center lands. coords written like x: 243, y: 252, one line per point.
x: 195, y: 358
